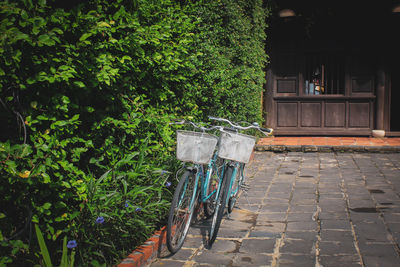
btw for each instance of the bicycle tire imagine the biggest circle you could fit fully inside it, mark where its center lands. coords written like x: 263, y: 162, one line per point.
x: 236, y: 185
x: 220, y: 207
x: 181, y: 211
x: 213, y: 182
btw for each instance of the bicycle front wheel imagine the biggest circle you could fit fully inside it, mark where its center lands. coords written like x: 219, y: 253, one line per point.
x: 221, y: 199
x: 181, y: 211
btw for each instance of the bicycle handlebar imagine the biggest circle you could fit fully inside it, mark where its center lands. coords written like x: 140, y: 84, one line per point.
x: 266, y: 131
x: 195, y: 125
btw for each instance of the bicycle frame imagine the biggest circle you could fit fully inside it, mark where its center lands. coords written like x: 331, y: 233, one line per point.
x: 198, y: 169
x: 236, y: 167
x: 205, y: 181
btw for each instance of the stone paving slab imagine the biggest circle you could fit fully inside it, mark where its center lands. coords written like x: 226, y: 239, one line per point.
x: 306, y: 209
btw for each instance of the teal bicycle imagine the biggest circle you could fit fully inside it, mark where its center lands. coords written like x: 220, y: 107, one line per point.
x: 199, y: 181
x: 235, y: 148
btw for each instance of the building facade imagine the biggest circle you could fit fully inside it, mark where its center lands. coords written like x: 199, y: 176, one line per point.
x: 334, y: 69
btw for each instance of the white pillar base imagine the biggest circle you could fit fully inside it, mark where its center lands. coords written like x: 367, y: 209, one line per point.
x: 378, y: 133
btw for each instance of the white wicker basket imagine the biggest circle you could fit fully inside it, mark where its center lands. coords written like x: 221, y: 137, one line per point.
x: 237, y: 147
x: 195, y: 147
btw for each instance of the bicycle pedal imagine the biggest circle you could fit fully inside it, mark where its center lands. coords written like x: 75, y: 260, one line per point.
x: 245, y: 187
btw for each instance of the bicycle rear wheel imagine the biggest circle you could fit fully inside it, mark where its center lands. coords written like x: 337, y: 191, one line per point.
x: 221, y: 199
x: 236, y: 185
x: 181, y: 211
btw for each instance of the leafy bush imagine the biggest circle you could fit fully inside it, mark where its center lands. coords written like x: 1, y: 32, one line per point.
x: 80, y: 80
x: 231, y: 40
x: 87, y: 92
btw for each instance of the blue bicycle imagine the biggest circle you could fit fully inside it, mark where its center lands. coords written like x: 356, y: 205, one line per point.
x: 235, y: 148
x: 204, y: 171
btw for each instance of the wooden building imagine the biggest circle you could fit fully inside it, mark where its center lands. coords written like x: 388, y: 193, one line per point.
x: 334, y: 68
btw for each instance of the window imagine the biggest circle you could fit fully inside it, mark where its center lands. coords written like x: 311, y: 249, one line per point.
x: 324, y: 74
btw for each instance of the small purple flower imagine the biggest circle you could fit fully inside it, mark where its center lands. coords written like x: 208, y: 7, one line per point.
x: 126, y: 204
x: 100, y: 220
x: 72, y: 244
x: 138, y: 209
x: 168, y: 184
x: 163, y: 172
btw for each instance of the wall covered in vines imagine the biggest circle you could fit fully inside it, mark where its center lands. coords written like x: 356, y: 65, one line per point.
x: 87, y: 91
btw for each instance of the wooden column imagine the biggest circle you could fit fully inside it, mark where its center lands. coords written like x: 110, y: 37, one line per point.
x: 380, y: 98
x: 268, y: 100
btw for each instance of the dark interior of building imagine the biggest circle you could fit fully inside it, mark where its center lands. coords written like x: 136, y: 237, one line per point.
x: 325, y: 31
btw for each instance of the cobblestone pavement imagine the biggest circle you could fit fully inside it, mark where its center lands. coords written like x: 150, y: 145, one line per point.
x: 306, y: 209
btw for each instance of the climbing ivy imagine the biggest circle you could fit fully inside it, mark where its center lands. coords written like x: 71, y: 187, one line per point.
x: 87, y: 92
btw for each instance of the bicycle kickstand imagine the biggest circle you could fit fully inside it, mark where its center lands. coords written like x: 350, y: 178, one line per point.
x: 245, y: 188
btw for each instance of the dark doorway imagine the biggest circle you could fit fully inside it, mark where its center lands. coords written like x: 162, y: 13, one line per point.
x: 334, y: 68
x: 395, y: 99
x: 394, y: 65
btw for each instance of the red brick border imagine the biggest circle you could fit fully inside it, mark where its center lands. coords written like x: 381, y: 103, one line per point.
x: 148, y: 250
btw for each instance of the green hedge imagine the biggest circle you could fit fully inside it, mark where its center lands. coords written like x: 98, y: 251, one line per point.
x: 87, y: 92
x: 231, y: 75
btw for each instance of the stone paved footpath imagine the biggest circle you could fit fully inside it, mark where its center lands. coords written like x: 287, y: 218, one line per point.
x: 306, y: 209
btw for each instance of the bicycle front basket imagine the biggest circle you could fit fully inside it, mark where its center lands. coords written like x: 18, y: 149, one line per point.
x: 195, y: 147
x: 237, y: 147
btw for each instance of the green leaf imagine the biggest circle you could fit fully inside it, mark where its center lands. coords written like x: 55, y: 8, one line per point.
x: 30, y: 80
x: 58, y: 123
x: 57, y: 30
x: 75, y: 117
x: 74, y: 214
x: 21, y: 36
x: 35, y: 219
x: 60, y: 205
x: 26, y: 151
x: 79, y: 84
x: 125, y: 185
x: 66, y: 184
x: 42, y: 3
x: 64, y: 259
x: 43, y: 247
x: 103, y: 24
x: 46, y: 205
x: 24, y: 15
x: 65, y: 99
x: 42, y: 118
x: 125, y: 58
x: 12, y: 166
x: 72, y: 259
x: 103, y: 177
x: 46, y: 178
x: 45, y: 39
x: 34, y: 104
x: 85, y: 36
